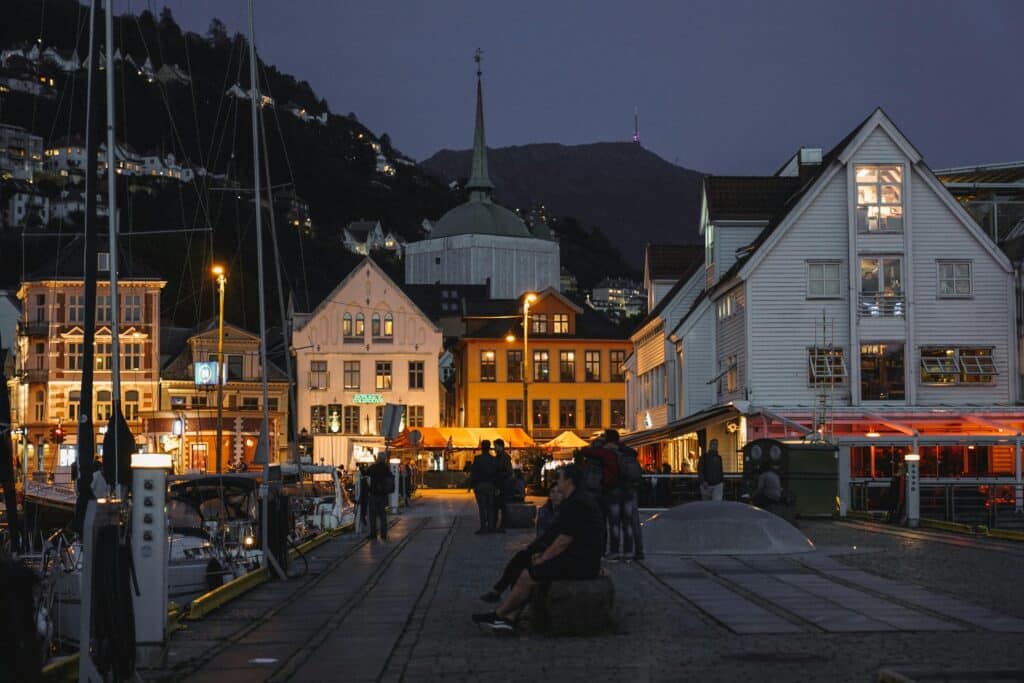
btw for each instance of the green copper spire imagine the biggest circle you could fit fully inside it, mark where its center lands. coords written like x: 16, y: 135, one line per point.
x: 479, y: 184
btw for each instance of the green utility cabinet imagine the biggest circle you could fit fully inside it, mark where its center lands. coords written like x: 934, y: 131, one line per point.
x: 808, y: 469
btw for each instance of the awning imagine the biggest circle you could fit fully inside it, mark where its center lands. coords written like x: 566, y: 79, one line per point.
x: 679, y: 427
x: 434, y: 438
x: 567, y: 440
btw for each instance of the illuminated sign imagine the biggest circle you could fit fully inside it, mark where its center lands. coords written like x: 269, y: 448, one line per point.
x: 206, y: 373
x: 368, y: 399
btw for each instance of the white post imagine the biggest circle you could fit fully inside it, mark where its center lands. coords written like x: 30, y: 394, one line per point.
x: 393, y: 496
x: 149, y: 553
x: 844, y: 480
x: 913, y: 461
x: 357, y: 492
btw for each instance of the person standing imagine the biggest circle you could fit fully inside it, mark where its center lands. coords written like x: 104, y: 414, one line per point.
x: 483, y: 475
x: 623, y: 509
x: 710, y: 473
x: 382, y: 482
x: 503, y: 484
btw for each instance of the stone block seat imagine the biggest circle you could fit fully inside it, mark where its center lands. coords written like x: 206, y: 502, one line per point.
x: 520, y: 515
x: 573, y: 608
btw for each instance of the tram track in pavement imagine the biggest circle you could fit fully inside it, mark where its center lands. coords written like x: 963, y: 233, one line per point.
x: 1012, y: 548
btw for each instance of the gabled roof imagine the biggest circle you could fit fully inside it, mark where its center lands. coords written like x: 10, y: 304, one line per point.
x: 589, y: 325
x: 692, y: 268
x: 555, y: 294
x: 747, y: 197
x: 431, y: 299
x: 361, y: 229
x: 180, y: 351
x: 670, y: 261
x: 69, y: 264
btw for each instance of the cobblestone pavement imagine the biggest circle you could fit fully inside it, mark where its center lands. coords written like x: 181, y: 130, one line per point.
x: 400, y: 611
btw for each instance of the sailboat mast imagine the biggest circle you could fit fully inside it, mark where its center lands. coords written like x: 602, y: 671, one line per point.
x: 255, y: 103
x: 115, y: 342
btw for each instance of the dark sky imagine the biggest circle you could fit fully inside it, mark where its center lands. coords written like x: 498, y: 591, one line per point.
x: 723, y: 86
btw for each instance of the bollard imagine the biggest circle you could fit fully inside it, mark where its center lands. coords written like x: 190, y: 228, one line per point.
x: 149, y: 553
x: 393, y: 496
x: 913, y: 461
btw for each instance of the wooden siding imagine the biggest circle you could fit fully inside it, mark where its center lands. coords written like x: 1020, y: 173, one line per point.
x: 698, y: 359
x: 983, y: 319
x: 879, y: 148
x: 732, y: 340
x: 728, y: 239
x: 650, y: 353
x: 784, y: 323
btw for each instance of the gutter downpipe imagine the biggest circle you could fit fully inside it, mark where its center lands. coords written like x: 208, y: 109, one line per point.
x: 1019, y: 488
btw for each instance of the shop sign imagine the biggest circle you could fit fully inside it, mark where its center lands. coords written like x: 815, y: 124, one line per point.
x: 368, y: 399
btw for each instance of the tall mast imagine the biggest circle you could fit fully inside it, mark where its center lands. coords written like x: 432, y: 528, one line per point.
x: 636, y: 125
x: 114, y: 422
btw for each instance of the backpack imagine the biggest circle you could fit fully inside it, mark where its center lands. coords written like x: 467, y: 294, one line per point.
x: 388, y: 485
x: 630, y: 472
x: 593, y: 473
x: 713, y: 469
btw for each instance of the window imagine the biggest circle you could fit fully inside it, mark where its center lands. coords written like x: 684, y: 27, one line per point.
x: 177, y: 401
x: 104, y: 407
x: 541, y: 413
x: 592, y: 413
x: 132, y: 356
x: 730, y: 380
x: 567, y: 413
x: 824, y: 279
x: 383, y: 375
x: 881, y: 286
x: 40, y: 356
x: 539, y: 323
x: 318, y: 419
x: 132, y: 304
x: 566, y: 366
x: 881, y: 372
x: 592, y: 366
x: 879, y: 198
x: 75, y: 351
x: 234, y: 367
x: 250, y: 403
x: 346, y: 325
x: 540, y: 366
x: 334, y: 413
x: 74, y: 404
x: 618, y: 413
x: 351, y: 375
x: 319, y: 379
x: 375, y: 324
x: 488, y: 369
x: 560, y: 323
x: 616, y: 359
x: 360, y: 328
x: 514, y: 413
x: 514, y: 366
x: 414, y: 416
x: 709, y: 246
x: 825, y: 366
x: 40, y: 406
x: 351, y: 419
x: 272, y: 404
x: 954, y: 278
x: 103, y: 361
x: 389, y: 325
x: 76, y: 308
x: 416, y: 374
x: 198, y: 401
x: 103, y: 304
x: 726, y: 306
x: 957, y: 365
x: 488, y: 412
x: 131, y: 405
x: 379, y: 419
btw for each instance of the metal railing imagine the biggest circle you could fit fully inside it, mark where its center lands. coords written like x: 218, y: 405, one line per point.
x: 881, y: 305
x: 669, y: 490
x: 989, y: 502
x: 34, y: 328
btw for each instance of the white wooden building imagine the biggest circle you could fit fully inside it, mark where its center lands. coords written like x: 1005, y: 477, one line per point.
x: 848, y: 294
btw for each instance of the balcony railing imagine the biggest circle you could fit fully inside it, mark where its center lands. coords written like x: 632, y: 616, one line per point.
x: 881, y: 305
x: 319, y: 381
x: 35, y: 375
x: 34, y: 328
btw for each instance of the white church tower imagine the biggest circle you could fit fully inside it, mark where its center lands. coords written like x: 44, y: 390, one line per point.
x: 479, y: 241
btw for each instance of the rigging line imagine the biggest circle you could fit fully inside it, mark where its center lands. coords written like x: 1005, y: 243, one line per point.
x: 230, y: 115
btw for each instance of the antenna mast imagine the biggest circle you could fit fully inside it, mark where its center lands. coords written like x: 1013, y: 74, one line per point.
x: 636, y: 125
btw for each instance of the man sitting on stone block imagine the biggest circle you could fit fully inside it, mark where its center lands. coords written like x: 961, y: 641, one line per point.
x: 575, y: 552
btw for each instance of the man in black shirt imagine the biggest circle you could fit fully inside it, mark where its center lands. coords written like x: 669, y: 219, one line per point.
x: 575, y: 552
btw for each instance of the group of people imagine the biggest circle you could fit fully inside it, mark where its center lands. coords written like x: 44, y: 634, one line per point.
x: 495, y: 483
x: 376, y: 484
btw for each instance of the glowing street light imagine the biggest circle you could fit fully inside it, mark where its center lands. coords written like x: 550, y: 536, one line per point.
x: 222, y: 280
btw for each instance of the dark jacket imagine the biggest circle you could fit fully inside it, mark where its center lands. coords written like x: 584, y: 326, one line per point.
x: 484, y: 471
x: 378, y: 473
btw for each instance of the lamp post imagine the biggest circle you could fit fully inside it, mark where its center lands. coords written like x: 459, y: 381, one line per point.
x: 221, y: 366
x: 525, y: 367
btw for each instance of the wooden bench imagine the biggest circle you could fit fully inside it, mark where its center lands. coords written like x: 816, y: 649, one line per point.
x: 573, y: 608
x: 520, y: 515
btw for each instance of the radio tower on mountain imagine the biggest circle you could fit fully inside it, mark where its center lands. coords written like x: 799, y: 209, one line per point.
x: 636, y: 125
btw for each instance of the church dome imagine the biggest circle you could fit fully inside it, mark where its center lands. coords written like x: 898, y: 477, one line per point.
x: 480, y: 216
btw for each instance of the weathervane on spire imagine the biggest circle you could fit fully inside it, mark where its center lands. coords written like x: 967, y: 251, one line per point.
x: 476, y: 58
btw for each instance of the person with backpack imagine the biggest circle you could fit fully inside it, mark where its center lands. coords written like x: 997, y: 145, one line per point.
x: 600, y: 467
x: 483, y: 476
x: 710, y: 473
x: 623, y: 509
x: 382, y: 483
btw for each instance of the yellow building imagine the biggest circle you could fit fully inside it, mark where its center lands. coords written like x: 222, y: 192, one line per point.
x: 573, y: 367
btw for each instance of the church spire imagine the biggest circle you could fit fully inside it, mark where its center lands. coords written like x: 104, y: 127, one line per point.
x: 479, y: 185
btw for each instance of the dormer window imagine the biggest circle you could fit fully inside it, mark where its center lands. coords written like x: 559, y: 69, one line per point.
x: 560, y: 323
x: 879, y: 198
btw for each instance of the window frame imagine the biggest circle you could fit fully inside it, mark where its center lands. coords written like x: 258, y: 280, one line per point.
x: 417, y: 375
x: 940, y: 263
x: 350, y: 417
x: 824, y: 263
x: 541, y: 407
x: 860, y: 374
x: 488, y: 416
x: 514, y: 365
x: 517, y: 417
x: 538, y: 323
x: 822, y: 360
x: 567, y: 413
x: 965, y: 363
x: 383, y: 381
x: 591, y: 360
x: 560, y: 323
x: 617, y: 413
x: 614, y: 376
x: 541, y: 361
x: 488, y: 365
x: 879, y: 204
x: 318, y: 418
x: 588, y: 405
x: 352, y: 375
x: 131, y: 308
x: 567, y: 365
x: 414, y: 416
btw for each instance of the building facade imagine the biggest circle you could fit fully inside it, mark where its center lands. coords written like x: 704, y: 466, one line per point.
x: 365, y: 345
x: 574, y: 372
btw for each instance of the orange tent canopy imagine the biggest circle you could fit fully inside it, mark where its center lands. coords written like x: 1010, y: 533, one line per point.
x: 434, y: 438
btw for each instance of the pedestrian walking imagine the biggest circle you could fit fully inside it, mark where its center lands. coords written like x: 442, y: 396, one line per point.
x: 710, y: 473
x: 483, y: 474
x: 503, y: 484
x: 382, y: 483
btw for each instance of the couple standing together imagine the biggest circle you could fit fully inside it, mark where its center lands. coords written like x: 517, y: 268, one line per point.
x: 490, y: 478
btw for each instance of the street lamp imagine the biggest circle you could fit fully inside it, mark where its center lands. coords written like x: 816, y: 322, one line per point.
x: 527, y: 300
x: 221, y: 366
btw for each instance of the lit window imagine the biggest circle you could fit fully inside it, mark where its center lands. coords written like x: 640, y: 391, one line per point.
x: 539, y: 323
x: 488, y: 368
x: 488, y: 412
x: 560, y: 323
x: 360, y: 329
x: 541, y: 370
x: 879, y: 198
x: 389, y: 325
x: 566, y: 366
x: 375, y: 324
x: 957, y: 365
x: 954, y: 278
x: 346, y: 325
x: 826, y: 365
x: 383, y: 375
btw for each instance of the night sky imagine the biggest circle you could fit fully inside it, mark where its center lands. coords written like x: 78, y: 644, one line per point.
x: 725, y: 86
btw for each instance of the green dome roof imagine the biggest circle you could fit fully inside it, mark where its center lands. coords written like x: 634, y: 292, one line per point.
x: 480, y: 216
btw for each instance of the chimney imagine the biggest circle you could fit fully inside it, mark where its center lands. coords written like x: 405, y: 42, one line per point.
x: 808, y: 162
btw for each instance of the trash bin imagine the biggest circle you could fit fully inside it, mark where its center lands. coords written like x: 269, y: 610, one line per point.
x: 808, y: 469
